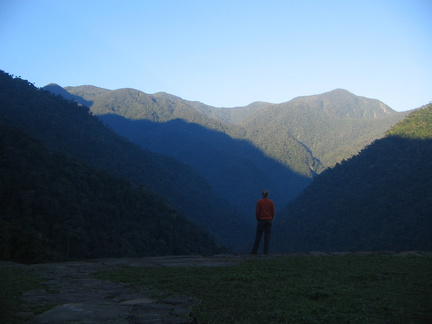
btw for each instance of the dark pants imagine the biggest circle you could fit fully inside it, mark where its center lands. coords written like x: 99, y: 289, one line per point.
x: 264, y: 225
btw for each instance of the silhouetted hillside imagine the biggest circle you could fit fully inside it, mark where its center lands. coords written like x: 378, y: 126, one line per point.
x: 379, y: 199
x: 52, y: 209
x: 70, y: 128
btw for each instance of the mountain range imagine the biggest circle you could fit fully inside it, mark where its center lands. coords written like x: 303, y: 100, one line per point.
x: 185, y: 176
x: 241, y: 150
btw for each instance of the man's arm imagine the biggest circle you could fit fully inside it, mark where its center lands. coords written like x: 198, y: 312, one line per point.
x: 273, y: 210
x: 257, y: 210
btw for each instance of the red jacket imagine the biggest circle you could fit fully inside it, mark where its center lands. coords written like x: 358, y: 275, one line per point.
x: 264, y: 209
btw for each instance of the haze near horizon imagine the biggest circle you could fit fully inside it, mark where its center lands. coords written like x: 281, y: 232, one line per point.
x: 225, y: 53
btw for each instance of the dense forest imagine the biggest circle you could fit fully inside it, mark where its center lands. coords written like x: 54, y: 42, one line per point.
x: 235, y: 168
x: 331, y: 127
x: 69, y: 128
x: 323, y: 129
x: 379, y: 199
x: 53, y: 208
x: 240, y: 151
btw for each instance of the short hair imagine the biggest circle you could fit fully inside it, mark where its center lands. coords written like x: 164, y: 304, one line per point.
x: 265, y: 193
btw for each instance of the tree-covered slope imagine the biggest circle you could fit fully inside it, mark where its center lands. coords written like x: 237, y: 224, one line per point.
x: 306, y: 134
x: 379, y: 199
x: 52, y: 208
x: 332, y: 126
x: 65, y: 126
x: 137, y: 105
x: 168, y: 125
x: 310, y: 133
x: 237, y: 170
x: 417, y: 125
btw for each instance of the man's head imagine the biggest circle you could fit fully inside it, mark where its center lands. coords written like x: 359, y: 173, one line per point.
x: 265, y: 193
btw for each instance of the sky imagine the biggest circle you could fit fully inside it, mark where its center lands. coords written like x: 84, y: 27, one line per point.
x: 225, y: 53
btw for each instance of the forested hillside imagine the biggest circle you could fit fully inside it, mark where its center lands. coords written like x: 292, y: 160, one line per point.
x: 241, y: 150
x: 53, y: 209
x: 331, y: 126
x: 307, y: 134
x: 165, y: 124
x: 70, y: 128
x: 379, y: 199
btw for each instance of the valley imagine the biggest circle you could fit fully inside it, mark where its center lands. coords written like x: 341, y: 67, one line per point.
x: 123, y: 173
x: 242, y: 150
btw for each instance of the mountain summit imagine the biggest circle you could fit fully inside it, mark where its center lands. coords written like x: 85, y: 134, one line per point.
x: 344, y: 104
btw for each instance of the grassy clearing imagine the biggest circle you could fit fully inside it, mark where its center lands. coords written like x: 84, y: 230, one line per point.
x: 301, y: 289
x: 14, y: 281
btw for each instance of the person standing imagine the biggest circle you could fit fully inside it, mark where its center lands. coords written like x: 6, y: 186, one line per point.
x: 264, y: 213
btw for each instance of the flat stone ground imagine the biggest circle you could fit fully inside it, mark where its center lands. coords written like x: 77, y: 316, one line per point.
x: 76, y: 297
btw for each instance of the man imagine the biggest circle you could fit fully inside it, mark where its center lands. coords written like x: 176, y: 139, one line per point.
x: 264, y: 213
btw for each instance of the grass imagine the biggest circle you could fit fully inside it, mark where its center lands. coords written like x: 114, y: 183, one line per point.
x: 301, y: 289
x: 14, y: 281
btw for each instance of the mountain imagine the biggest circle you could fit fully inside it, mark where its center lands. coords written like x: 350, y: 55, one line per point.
x: 242, y: 150
x: 332, y: 126
x: 168, y: 125
x: 54, y: 209
x: 64, y: 126
x: 380, y: 199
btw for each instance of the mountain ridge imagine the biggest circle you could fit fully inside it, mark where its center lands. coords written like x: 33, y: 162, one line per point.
x: 334, y: 125
x: 306, y: 134
x: 328, y: 100
x: 374, y: 116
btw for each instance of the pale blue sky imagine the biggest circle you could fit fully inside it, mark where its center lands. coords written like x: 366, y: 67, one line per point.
x: 225, y: 53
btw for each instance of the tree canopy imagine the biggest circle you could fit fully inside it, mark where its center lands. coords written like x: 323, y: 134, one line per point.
x: 379, y: 199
